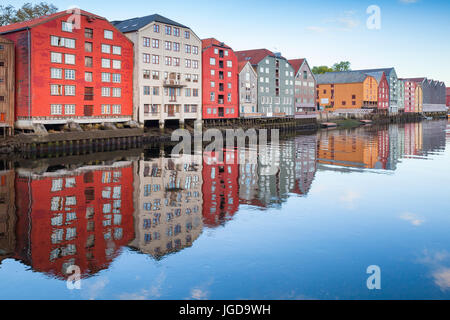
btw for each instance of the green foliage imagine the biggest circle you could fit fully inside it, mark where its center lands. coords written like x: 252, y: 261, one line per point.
x: 342, y: 66
x: 8, y: 14
x: 337, y: 67
x: 321, y: 70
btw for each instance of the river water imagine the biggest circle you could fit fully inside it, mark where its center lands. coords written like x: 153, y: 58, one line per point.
x: 143, y: 226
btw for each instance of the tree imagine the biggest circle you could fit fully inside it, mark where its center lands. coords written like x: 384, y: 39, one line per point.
x: 321, y: 70
x: 8, y: 14
x: 342, y: 66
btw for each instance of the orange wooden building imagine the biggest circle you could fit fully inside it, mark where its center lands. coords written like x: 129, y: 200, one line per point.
x: 346, y: 90
x: 7, y: 85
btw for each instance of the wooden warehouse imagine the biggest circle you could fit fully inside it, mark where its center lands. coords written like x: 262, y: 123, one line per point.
x: 6, y: 85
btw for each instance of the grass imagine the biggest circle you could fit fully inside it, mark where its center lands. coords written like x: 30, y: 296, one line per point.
x: 348, y: 123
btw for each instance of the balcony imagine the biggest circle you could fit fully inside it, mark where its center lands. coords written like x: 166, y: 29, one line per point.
x: 171, y: 83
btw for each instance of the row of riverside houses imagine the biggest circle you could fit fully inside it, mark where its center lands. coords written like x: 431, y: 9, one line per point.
x: 154, y: 71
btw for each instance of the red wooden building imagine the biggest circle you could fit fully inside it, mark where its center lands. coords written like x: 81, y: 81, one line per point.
x: 383, y: 91
x: 220, y: 81
x: 80, y: 218
x: 71, y: 67
x: 220, y: 187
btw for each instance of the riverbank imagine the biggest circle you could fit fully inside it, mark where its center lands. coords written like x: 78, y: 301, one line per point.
x: 87, y: 142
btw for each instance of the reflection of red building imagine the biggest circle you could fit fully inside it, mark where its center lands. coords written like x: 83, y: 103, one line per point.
x: 77, y: 218
x: 383, y: 148
x: 220, y: 81
x: 220, y: 187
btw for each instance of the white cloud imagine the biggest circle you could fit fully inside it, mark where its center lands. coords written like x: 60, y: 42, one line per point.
x: 349, y: 198
x: 409, y: 1
x: 442, y: 278
x: 413, y: 219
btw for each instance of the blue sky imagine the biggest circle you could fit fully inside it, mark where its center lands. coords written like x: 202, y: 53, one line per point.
x: 413, y: 36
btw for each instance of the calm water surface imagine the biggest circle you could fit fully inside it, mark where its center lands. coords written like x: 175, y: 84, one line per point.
x: 148, y: 227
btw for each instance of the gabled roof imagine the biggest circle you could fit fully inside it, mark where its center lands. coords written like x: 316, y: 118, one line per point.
x: 387, y: 71
x: 38, y: 21
x: 242, y: 64
x: 341, y: 77
x: 377, y: 75
x: 254, y: 56
x: 297, y: 64
x: 136, y: 24
x: 206, y: 43
x: 418, y: 80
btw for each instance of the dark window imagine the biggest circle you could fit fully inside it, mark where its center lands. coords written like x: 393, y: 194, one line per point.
x: 1, y: 47
x: 2, y: 63
x: 89, y: 111
x: 89, y: 194
x: 88, y: 62
x: 89, y: 33
x: 2, y: 80
x: 354, y: 103
x: 343, y: 103
x: 2, y: 98
x: 89, y: 93
x: 353, y: 96
x: 88, y: 177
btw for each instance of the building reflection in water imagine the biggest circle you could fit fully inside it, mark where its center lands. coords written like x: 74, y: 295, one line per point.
x: 168, y: 214
x: 7, y: 214
x: 76, y: 217
x: 220, y: 187
x: 53, y: 218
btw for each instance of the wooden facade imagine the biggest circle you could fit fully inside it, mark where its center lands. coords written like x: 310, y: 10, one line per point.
x: 7, y: 85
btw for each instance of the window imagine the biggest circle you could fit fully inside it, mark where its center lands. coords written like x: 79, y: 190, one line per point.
x: 88, y: 46
x: 212, y: 61
x: 188, y: 63
x: 89, y: 93
x: 146, y: 58
x: 176, y: 32
x: 212, y: 96
x: 155, y: 59
x: 229, y: 74
x: 117, y: 92
x: 69, y: 109
x: 56, y: 90
x: 176, y: 47
x: 88, y: 76
x: 168, y: 30
x: 67, y: 27
x: 117, y: 78
x: 195, y: 78
x: 106, y: 92
x: 155, y: 91
x: 146, y: 91
x: 229, y: 97
x: 213, y: 84
x: 155, y: 43
x: 56, y: 73
x: 188, y: 48
x: 70, y: 74
x: 106, y: 63
x: 106, y: 48
x: 168, y: 45
x: 69, y: 90
x: 69, y: 58
x: 146, y: 42
x: 195, y: 64
x: 56, y: 109
x: 106, y: 109
x: 195, y: 93
x: 155, y: 75
x: 230, y: 64
x: 108, y: 34
x: 117, y: 50
x: 187, y: 92
x: 88, y: 62
x: 195, y: 50
x: 88, y: 33
x: 106, y: 77
x: 117, y: 64
x: 56, y: 57
x: 176, y: 62
x: 168, y: 61
x: 117, y: 109
x: 187, y: 34
x: 156, y: 28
